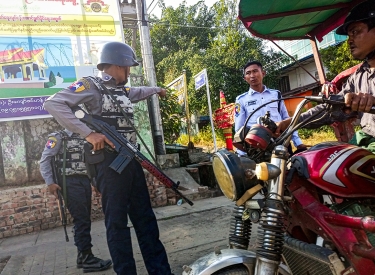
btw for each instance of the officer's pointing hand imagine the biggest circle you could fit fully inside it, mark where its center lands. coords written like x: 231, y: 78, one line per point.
x: 163, y: 92
x: 52, y: 188
x: 98, y: 141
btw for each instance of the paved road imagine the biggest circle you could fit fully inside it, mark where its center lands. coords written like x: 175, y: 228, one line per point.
x: 187, y: 232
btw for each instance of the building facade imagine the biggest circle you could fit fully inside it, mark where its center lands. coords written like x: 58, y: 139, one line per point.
x: 293, y: 77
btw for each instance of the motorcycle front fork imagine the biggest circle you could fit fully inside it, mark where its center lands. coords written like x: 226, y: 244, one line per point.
x: 271, y: 226
x: 270, y: 238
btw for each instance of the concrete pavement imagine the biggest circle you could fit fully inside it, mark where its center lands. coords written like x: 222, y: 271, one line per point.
x: 46, y: 252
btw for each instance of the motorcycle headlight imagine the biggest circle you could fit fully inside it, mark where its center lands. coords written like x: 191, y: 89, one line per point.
x: 229, y: 170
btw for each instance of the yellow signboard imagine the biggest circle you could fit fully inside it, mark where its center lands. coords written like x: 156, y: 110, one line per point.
x: 46, y: 45
x: 62, y: 25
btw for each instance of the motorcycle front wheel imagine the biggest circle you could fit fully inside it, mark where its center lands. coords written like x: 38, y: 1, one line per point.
x: 233, y: 270
x: 242, y: 270
x: 228, y: 262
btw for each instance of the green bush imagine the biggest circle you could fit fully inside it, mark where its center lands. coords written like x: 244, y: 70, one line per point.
x: 184, y: 139
x: 171, y: 115
x: 308, y: 133
x: 204, y: 138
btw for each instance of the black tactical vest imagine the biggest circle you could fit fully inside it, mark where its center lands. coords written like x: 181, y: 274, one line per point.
x: 113, y: 115
x: 75, y: 164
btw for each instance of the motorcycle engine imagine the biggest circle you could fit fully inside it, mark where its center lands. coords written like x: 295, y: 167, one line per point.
x: 354, y: 209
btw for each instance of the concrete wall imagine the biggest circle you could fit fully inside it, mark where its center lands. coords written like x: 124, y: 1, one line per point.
x: 28, y: 209
x: 22, y: 143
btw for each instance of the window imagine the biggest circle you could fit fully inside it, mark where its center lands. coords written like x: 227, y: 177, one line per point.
x: 284, y: 84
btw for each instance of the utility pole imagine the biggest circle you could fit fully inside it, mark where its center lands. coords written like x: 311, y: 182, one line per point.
x: 149, y: 67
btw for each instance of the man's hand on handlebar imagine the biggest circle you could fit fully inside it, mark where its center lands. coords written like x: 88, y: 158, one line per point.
x: 281, y: 126
x: 359, y: 102
x: 98, y: 141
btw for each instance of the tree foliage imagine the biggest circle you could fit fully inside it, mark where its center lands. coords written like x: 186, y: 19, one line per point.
x: 342, y: 59
x: 171, y: 115
x: 196, y: 37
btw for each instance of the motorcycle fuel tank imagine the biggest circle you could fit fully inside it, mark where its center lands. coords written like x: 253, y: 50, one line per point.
x: 341, y: 169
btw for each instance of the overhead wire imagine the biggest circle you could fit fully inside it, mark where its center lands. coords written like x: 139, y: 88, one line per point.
x: 240, y: 27
x: 151, y: 4
x: 153, y: 7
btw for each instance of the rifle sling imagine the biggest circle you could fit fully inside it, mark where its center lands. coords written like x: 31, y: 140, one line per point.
x: 128, y: 120
x: 64, y: 171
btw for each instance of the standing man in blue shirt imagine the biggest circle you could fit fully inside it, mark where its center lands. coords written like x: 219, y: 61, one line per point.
x: 257, y: 95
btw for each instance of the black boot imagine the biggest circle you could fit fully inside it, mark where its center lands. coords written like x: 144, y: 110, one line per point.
x: 79, y: 259
x: 90, y: 263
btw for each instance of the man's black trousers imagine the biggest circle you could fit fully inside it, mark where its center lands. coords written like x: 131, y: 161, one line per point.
x: 127, y: 194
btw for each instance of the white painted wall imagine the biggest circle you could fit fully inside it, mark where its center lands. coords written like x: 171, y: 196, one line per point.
x: 300, y: 78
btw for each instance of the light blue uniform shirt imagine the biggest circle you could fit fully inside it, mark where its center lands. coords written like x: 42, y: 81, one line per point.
x: 247, y: 102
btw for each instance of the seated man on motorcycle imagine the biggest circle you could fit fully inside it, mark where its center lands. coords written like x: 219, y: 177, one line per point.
x: 359, y: 90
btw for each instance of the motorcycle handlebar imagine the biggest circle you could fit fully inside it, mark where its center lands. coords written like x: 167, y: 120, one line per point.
x: 333, y: 100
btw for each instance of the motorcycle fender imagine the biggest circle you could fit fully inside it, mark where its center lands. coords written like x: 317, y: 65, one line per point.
x: 215, y: 261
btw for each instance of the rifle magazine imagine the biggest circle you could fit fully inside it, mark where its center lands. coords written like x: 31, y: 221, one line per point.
x: 120, y: 162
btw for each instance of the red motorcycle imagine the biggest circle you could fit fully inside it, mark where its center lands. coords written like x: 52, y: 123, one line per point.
x: 317, y: 211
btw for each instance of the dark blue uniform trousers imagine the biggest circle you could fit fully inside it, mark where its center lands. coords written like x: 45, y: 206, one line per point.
x: 127, y: 194
x: 79, y: 205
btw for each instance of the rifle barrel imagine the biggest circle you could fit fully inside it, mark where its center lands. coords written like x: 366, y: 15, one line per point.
x: 62, y: 212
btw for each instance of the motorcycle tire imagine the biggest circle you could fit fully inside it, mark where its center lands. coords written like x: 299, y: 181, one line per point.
x: 238, y: 269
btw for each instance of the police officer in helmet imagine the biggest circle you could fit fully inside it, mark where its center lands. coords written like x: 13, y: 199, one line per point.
x: 124, y: 194
x: 359, y: 90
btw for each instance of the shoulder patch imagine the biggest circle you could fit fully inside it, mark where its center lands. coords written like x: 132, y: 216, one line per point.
x: 237, y: 109
x: 51, y: 142
x: 79, y: 85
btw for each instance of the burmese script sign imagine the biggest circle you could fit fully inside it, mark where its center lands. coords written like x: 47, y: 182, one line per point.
x: 46, y: 45
x: 224, y: 117
x: 178, y: 86
x: 64, y: 25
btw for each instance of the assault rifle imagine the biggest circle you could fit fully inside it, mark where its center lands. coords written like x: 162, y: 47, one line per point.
x: 126, y: 151
x: 60, y: 200
x: 62, y: 212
